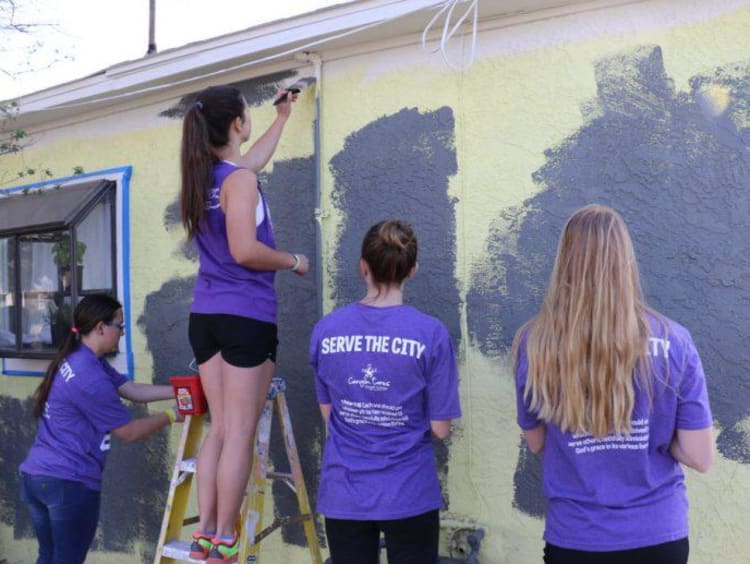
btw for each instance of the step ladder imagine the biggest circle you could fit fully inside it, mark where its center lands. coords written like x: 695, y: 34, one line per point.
x: 171, y: 548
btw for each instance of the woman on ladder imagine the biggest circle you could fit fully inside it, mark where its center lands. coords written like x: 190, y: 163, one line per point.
x: 232, y: 326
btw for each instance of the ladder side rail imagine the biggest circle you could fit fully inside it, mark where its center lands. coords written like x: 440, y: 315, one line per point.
x: 251, y: 514
x: 179, y: 487
x: 299, y: 480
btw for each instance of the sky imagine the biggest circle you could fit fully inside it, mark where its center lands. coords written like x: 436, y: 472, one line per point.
x: 78, y: 38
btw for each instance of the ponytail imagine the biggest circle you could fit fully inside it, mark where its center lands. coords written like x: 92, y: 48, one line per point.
x: 205, y: 128
x: 196, y: 165
x: 88, y: 313
x: 70, y: 343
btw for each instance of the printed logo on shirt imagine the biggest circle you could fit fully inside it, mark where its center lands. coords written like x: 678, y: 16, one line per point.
x: 212, y: 202
x: 66, y: 371
x: 637, y: 440
x: 46, y: 413
x: 106, y: 443
x: 658, y: 347
x: 401, y: 346
x: 369, y: 381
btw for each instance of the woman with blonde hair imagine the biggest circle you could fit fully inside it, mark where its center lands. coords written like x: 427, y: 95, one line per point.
x: 615, y: 395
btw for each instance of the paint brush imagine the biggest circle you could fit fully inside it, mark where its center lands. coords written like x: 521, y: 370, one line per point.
x: 294, y: 88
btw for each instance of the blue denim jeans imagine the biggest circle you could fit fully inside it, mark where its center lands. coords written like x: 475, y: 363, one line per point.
x: 64, y: 514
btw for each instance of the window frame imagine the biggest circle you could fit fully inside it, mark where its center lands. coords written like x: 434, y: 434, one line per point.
x: 25, y: 363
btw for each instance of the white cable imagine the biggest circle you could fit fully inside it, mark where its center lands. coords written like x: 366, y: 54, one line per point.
x: 449, y: 31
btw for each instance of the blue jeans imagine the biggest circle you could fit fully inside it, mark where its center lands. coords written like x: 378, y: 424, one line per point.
x: 64, y: 514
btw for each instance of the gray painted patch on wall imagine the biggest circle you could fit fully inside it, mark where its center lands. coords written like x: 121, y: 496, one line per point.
x: 399, y: 166
x: 677, y: 169
x: 257, y: 91
x: 134, y: 485
x: 16, y: 435
x: 290, y: 190
x: 134, y: 491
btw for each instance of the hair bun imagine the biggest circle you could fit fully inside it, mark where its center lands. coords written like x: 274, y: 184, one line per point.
x: 393, y: 234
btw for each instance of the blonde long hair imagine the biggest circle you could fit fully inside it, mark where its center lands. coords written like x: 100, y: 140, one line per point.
x: 588, y: 343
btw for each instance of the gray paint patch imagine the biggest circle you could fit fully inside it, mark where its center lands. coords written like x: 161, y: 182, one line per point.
x: 528, y: 496
x: 257, y: 91
x: 134, y: 491
x: 16, y: 435
x: 290, y: 190
x: 134, y: 487
x: 678, y: 173
x: 165, y: 323
x: 399, y: 167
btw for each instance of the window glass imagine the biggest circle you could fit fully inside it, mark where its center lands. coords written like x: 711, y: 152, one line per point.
x: 94, y: 235
x: 42, y: 284
x: 7, y: 294
x: 63, y: 239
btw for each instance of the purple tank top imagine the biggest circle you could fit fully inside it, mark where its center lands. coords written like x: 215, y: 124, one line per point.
x: 223, y: 286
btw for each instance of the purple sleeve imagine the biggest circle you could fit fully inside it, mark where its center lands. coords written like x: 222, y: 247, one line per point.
x: 442, y: 381
x: 526, y: 419
x: 117, y: 378
x: 100, y: 404
x: 693, y: 409
x: 321, y: 390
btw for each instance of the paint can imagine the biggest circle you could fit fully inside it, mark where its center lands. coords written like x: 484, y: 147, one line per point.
x: 189, y: 394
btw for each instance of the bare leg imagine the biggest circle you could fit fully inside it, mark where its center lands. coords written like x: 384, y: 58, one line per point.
x: 212, y: 380
x: 245, y: 390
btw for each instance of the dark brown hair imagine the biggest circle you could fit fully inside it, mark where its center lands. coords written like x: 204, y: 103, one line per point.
x: 90, y: 310
x: 390, y: 251
x: 205, y: 127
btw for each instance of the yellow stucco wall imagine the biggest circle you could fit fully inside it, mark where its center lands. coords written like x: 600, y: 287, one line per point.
x: 523, y: 95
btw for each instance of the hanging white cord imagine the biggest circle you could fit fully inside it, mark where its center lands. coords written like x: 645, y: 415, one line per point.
x: 448, y: 32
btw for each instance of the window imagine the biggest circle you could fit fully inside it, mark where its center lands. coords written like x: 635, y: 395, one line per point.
x: 56, y: 245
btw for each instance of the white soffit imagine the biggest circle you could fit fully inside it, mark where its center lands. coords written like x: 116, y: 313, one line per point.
x: 333, y: 28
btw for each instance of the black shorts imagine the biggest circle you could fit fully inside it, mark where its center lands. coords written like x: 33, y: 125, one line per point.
x: 674, y: 552
x: 242, y: 341
x: 413, y: 540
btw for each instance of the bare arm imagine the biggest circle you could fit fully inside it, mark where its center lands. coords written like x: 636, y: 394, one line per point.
x: 144, y: 393
x: 694, y: 448
x: 441, y: 429
x: 240, y: 199
x: 261, y: 151
x: 535, y: 438
x: 325, y: 411
x: 142, y: 427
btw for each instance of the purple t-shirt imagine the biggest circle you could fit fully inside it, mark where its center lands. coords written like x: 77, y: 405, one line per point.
x: 618, y: 493
x: 223, y: 285
x: 73, y: 433
x: 387, y: 372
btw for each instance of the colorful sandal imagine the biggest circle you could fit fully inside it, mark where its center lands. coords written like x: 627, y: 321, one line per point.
x: 224, y: 551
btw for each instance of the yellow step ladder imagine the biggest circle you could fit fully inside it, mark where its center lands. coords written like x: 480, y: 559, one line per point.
x: 171, y: 548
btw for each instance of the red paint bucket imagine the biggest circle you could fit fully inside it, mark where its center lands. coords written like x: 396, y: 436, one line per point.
x: 189, y: 394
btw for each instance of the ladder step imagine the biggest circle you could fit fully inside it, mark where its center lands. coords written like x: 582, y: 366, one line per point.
x: 189, y: 464
x: 179, y: 550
